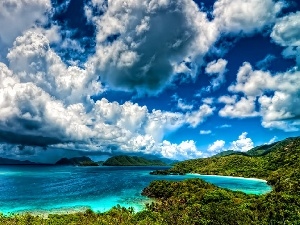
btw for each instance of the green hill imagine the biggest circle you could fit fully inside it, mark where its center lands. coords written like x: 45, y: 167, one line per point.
x: 5, y: 161
x: 229, y: 152
x: 261, y: 162
x: 278, y: 163
x: 123, y: 160
x: 77, y: 161
x: 262, y: 150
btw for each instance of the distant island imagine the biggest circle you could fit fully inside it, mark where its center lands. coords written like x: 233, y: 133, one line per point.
x: 120, y: 160
x: 5, y: 161
x: 124, y: 160
x: 77, y: 161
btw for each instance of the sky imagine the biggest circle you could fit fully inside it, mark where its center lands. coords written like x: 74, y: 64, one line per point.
x: 174, y: 79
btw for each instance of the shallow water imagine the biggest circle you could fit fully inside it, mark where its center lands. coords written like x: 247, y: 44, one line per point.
x: 39, y: 188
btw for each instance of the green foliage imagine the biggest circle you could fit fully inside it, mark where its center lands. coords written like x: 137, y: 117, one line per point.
x: 124, y: 160
x: 278, y: 163
x: 229, y: 152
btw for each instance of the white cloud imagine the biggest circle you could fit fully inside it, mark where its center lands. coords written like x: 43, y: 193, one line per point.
x: 208, y: 101
x: 32, y: 60
x: 205, y: 131
x: 274, y: 97
x: 134, y: 59
x: 286, y: 30
x: 286, y: 33
x: 227, y: 99
x: 272, y: 140
x: 245, y: 16
x: 45, y: 103
x: 217, y: 146
x: 17, y: 16
x: 217, y: 68
x: 243, y: 144
x: 196, y: 117
x: 244, y: 107
x: 128, y: 55
x: 224, y: 126
x: 183, y: 106
x: 184, y: 150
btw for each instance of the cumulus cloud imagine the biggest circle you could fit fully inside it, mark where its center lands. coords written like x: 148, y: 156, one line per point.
x: 32, y: 60
x: 276, y: 97
x: 130, y: 57
x: 45, y: 103
x: 217, y: 146
x: 286, y: 33
x: 217, y: 68
x: 27, y: 12
x: 137, y: 50
x: 245, y: 16
x: 243, y: 143
x: 196, y: 117
x: 208, y: 101
x: 239, y: 108
x: 184, y: 150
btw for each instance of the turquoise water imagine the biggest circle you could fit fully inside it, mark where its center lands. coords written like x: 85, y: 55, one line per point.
x: 39, y: 188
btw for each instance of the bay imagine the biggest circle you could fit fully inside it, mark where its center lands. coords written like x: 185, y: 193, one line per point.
x: 67, y: 189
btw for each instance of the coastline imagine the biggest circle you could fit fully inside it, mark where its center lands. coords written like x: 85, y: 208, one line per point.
x: 44, y: 213
x: 138, y: 206
x: 255, y: 179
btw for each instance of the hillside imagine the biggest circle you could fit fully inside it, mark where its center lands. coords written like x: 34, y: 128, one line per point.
x: 261, y: 150
x: 77, y: 161
x: 229, y: 152
x: 278, y: 163
x: 5, y: 161
x: 264, y: 161
x: 123, y: 160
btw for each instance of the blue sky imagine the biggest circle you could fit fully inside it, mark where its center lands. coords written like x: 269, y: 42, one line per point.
x: 179, y: 80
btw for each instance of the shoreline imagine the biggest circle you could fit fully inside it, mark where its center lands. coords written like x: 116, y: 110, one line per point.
x: 234, y: 177
x: 44, y: 213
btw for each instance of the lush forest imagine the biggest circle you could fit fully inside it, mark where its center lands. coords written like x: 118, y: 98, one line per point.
x: 124, y: 160
x: 197, y: 202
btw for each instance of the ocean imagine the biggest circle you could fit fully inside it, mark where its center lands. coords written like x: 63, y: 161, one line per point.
x: 67, y: 188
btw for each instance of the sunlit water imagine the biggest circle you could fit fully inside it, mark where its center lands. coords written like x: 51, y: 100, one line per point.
x: 45, y: 188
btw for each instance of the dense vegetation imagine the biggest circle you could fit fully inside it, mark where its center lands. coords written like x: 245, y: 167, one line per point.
x: 77, y: 161
x: 195, y: 202
x: 278, y: 163
x: 124, y: 160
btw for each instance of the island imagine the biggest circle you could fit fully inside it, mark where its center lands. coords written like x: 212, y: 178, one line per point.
x: 6, y: 161
x: 124, y: 160
x: 76, y: 161
x: 119, y: 160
